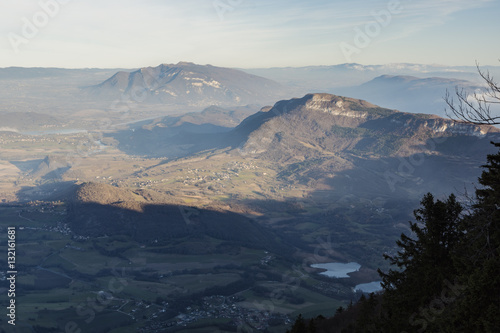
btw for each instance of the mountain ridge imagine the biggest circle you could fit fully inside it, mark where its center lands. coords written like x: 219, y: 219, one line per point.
x: 323, y: 111
x: 330, y: 123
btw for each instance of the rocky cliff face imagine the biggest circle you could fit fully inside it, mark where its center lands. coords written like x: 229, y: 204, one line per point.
x: 456, y: 128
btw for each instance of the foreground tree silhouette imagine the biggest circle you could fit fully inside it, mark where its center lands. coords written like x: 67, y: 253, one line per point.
x: 424, y: 262
x: 478, y: 308
x: 299, y: 325
x: 449, y: 277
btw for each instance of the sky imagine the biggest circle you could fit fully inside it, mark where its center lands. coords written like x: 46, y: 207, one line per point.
x: 247, y: 33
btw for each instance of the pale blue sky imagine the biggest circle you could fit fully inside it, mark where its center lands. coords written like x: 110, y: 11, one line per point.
x: 247, y: 33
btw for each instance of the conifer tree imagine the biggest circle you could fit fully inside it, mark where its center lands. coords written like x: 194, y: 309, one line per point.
x: 424, y: 262
x: 478, y: 306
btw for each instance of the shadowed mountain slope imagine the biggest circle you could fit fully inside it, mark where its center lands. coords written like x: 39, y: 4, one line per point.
x: 97, y: 210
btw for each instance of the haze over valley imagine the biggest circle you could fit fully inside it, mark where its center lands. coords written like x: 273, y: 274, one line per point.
x: 235, y: 166
x: 169, y: 158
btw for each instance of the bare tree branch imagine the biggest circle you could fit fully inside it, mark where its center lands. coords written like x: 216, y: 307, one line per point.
x: 475, y: 108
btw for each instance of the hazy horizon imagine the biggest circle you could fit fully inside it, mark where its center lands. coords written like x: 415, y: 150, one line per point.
x: 250, y: 68
x: 246, y: 34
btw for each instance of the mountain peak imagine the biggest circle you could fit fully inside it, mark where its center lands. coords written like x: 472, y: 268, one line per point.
x: 328, y: 103
x: 185, y: 63
x: 186, y: 83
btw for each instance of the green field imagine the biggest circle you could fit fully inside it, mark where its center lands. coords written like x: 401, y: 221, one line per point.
x: 121, y: 283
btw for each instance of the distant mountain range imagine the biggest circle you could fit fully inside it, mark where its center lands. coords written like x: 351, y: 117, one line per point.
x: 81, y: 97
x: 328, y: 78
x: 409, y: 93
x: 189, y: 84
x: 414, y: 88
x: 25, y: 73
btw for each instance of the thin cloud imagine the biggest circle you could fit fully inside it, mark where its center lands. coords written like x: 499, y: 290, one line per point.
x: 416, y: 17
x: 129, y: 32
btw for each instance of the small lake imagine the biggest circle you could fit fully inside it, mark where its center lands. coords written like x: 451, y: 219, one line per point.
x: 338, y: 269
x: 371, y: 287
